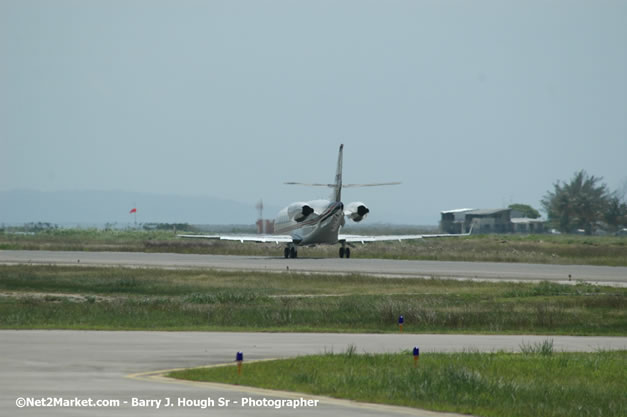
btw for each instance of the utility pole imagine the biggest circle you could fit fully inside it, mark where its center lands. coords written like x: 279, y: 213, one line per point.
x: 259, y: 207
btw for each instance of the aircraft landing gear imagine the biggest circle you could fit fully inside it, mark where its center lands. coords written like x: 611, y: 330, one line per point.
x: 290, y: 252
x: 345, y: 252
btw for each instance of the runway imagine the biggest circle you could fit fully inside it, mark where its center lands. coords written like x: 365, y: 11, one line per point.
x: 606, y: 275
x: 99, y: 364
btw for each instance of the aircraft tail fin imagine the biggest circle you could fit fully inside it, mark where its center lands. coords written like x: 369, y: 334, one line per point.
x: 338, y: 185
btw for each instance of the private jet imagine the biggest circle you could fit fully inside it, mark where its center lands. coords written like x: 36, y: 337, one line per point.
x: 319, y: 222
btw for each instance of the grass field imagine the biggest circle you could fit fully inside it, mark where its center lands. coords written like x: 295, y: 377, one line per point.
x: 562, y: 249
x: 155, y: 299
x: 538, y: 382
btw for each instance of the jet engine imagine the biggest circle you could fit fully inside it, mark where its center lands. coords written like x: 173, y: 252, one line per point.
x: 356, y: 211
x: 299, y: 211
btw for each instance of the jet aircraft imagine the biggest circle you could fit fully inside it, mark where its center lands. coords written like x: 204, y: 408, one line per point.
x: 319, y: 222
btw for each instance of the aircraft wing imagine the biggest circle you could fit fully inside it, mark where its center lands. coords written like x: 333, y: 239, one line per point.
x: 383, y: 238
x: 245, y: 238
x: 378, y: 238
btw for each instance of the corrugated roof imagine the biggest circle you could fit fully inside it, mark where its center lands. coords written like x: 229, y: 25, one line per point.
x: 462, y: 210
x: 487, y: 212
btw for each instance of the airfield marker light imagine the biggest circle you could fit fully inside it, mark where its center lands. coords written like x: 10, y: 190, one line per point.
x: 239, y: 358
x: 416, y: 356
x: 401, y: 320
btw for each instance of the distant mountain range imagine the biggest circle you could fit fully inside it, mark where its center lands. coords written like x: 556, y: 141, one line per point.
x: 100, y: 207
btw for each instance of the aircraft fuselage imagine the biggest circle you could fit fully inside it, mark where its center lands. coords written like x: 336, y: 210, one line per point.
x: 320, y: 227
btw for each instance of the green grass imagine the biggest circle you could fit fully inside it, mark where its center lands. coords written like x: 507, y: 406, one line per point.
x: 552, y: 249
x: 537, y: 383
x: 126, y: 298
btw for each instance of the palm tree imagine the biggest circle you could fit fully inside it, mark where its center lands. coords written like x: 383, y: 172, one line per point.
x: 579, y: 204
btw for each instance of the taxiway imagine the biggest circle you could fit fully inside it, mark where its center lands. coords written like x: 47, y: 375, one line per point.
x: 111, y: 365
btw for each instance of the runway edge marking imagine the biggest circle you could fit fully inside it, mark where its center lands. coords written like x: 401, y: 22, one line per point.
x: 160, y: 376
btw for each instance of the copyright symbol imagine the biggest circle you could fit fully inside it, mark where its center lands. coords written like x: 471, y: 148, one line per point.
x: 20, y: 402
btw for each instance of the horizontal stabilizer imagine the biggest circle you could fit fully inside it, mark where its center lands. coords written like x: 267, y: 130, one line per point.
x: 376, y: 184
x: 343, y: 185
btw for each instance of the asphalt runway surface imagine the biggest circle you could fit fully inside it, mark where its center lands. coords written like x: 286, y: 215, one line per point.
x: 107, y: 365
x: 606, y: 275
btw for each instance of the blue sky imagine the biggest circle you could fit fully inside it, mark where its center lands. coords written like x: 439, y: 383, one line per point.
x: 468, y: 103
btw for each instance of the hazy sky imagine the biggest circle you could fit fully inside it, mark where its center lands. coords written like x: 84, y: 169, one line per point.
x: 468, y: 103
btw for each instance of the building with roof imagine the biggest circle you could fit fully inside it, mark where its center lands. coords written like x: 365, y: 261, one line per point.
x: 487, y: 221
x: 526, y: 225
x: 452, y: 221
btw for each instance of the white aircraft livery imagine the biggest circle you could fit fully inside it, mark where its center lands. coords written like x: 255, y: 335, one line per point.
x: 319, y: 222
